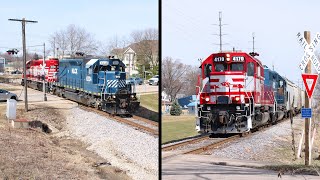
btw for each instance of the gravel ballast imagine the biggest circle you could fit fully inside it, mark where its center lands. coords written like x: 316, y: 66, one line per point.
x: 129, y: 149
x: 262, y: 145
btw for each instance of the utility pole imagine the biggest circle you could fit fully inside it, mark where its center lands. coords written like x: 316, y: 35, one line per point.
x: 307, y: 121
x: 252, y: 42
x: 54, y: 47
x: 23, y: 22
x: 44, y: 72
x: 220, y: 19
x: 220, y: 31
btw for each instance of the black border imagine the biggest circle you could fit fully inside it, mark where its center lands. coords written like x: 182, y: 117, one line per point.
x: 160, y: 85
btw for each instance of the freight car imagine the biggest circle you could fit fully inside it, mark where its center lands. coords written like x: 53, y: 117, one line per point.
x: 237, y: 94
x: 99, y: 83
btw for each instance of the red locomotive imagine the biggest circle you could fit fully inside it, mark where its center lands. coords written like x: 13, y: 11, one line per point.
x: 36, y: 73
x: 232, y: 95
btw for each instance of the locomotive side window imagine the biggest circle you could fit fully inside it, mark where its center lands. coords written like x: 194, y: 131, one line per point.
x: 220, y: 67
x: 250, y: 69
x: 237, y: 67
x: 95, y: 69
x: 207, y: 70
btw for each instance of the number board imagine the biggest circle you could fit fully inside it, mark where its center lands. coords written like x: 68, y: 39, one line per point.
x: 218, y: 59
x: 238, y: 58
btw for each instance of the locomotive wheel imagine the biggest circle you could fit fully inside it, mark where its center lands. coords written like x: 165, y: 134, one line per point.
x: 244, y: 134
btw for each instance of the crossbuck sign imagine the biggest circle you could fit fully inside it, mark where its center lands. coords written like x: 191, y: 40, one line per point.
x: 309, y: 52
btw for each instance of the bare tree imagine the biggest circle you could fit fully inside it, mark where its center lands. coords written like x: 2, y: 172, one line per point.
x: 115, y: 46
x: 191, y: 80
x: 172, y: 76
x: 146, y: 45
x: 72, y: 40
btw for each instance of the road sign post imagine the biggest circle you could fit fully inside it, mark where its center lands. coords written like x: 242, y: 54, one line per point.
x: 306, y: 65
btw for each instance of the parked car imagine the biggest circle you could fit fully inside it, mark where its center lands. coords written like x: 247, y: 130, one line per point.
x: 16, y: 72
x: 135, y: 80
x: 154, y: 80
x: 4, y: 95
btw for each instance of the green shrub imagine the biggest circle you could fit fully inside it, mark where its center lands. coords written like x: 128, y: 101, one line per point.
x: 175, y: 109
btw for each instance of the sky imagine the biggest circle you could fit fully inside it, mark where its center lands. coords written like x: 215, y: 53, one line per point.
x: 102, y: 18
x: 188, y: 28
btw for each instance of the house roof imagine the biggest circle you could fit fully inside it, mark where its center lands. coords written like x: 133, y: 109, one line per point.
x: 193, y: 103
x: 185, y: 100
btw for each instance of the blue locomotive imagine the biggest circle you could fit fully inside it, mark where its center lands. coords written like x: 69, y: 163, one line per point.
x: 99, y: 83
x: 288, y: 96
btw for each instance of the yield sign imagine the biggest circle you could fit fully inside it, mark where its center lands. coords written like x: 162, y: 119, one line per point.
x: 309, y: 81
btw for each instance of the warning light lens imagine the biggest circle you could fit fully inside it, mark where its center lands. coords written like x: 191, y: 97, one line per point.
x: 207, y: 99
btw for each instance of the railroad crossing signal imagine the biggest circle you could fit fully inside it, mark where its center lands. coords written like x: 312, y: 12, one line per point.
x: 309, y: 81
x: 309, y: 52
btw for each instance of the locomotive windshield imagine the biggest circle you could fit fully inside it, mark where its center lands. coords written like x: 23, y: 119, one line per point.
x: 236, y: 67
x: 220, y: 67
x: 112, y: 68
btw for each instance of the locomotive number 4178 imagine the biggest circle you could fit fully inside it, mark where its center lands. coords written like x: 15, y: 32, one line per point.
x: 238, y: 58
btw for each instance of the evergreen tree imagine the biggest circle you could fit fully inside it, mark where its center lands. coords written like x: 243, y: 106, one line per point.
x: 175, y: 109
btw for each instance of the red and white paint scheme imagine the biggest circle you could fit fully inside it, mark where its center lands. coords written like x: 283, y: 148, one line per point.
x: 232, y: 95
x: 37, y: 72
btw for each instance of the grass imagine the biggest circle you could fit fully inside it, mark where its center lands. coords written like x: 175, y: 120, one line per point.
x: 177, y: 127
x: 150, y: 101
x: 3, y: 86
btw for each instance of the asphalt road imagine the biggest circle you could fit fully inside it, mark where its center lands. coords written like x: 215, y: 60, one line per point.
x: 146, y: 88
x: 202, y: 167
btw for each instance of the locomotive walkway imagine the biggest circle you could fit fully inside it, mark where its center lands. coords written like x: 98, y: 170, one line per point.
x: 202, y: 167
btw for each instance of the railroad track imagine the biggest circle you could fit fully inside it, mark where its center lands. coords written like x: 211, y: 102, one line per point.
x: 209, y: 146
x: 133, y: 121
x: 183, y: 143
x: 212, y: 145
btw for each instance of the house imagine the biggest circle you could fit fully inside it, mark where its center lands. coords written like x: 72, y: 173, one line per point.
x: 129, y: 59
x: 165, y: 102
x: 189, y: 103
x: 137, y: 54
x: 2, y: 64
x: 192, y: 106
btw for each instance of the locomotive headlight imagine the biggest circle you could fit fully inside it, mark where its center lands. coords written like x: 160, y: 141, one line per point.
x: 207, y: 99
x: 113, y: 96
x: 238, y: 107
x: 228, y: 55
x: 132, y: 96
x: 237, y: 98
x: 208, y: 108
x: 228, y: 59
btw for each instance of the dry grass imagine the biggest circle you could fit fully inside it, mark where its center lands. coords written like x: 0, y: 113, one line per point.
x: 32, y: 154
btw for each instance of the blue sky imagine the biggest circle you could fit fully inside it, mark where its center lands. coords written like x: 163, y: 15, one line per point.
x: 187, y: 29
x: 103, y: 18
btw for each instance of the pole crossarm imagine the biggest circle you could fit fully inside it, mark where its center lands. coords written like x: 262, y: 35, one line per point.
x: 23, y: 20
